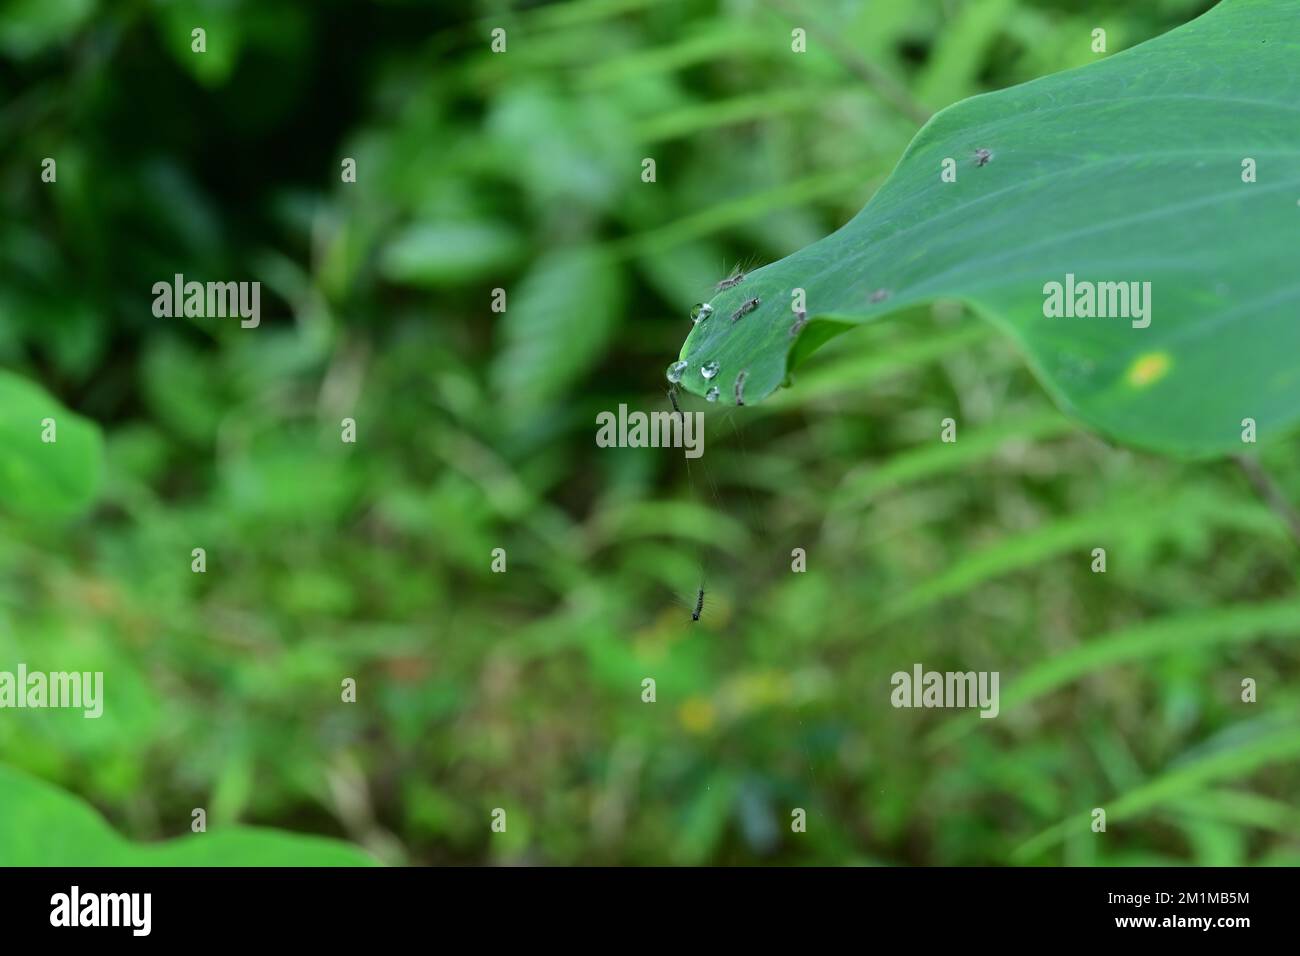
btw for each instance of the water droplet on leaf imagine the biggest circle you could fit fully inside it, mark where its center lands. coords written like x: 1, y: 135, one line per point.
x: 701, y: 312
x: 675, y: 371
x: 709, y: 369
x: 711, y: 395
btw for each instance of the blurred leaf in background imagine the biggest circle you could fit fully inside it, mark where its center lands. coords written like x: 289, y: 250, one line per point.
x: 43, y: 827
x: 52, y: 459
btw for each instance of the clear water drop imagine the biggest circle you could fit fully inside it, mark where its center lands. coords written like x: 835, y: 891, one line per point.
x: 711, y: 395
x: 675, y: 371
x: 701, y: 312
x: 709, y: 369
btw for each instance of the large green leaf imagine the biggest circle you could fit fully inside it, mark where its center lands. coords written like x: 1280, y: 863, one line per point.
x: 40, y: 478
x: 41, y: 825
x: 1128, y: 169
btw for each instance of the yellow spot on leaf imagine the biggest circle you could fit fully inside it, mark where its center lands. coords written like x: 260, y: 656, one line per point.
x: 1148, y: 368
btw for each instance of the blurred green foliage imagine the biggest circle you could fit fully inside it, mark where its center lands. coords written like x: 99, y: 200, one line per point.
x: 475, y: 431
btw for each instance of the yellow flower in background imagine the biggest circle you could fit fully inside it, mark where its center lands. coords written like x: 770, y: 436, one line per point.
x: 697, y: 715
